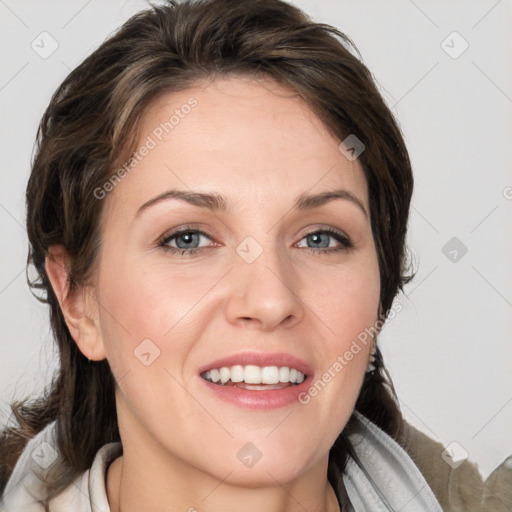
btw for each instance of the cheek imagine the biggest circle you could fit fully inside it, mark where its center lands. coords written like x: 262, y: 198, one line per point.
x: 147, y: 328
x: 135, y: 314
x: 351, y: 318
x: 347, y: 298
x: 153, y: 317
x: 348, y: 308
x: 148, y: 302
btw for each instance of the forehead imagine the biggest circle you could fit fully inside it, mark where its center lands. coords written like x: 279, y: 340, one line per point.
x: 237, y: 109
x: 248, y: 135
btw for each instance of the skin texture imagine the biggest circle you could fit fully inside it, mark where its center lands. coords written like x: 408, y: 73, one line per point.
x: 259, y: 145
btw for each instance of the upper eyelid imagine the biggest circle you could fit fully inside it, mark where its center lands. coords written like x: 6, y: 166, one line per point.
x: 182, y: 231
x: 185, y: 229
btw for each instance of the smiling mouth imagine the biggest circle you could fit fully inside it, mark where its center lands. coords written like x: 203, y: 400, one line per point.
x: 257, y: 378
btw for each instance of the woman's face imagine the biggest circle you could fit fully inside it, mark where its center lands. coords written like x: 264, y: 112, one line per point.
x: 259, y: 282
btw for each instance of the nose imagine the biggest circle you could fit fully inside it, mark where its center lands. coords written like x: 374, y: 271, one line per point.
x: 263, y: 293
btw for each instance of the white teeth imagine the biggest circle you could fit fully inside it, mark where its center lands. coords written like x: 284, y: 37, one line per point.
x: 270, y: 375
x: 237, y: 373
x: 284, y: 374
x: 252, y: 374
x: 225, y: 374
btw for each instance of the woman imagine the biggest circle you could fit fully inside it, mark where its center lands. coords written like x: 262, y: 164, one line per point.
x: 211, y: 354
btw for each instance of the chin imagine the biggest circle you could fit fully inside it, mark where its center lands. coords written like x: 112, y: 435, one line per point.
x: 262, y: 474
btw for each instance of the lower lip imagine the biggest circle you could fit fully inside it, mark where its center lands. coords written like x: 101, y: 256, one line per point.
x: 265, y: 399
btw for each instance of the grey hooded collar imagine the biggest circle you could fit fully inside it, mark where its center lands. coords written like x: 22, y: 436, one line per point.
x: 379, y: 477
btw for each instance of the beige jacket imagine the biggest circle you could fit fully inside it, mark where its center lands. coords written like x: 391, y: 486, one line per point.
x: 459, y: 488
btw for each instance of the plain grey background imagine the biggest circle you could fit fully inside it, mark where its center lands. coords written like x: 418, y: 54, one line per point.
x: 444, y: 67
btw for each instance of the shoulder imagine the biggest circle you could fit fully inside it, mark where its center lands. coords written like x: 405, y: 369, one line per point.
x: 26, y: 491
x: 88, y: 492
x: 458, y: 485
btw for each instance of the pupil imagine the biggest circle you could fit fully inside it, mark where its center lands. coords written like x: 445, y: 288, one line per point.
x: 187, y: 238
x: 316, y: 238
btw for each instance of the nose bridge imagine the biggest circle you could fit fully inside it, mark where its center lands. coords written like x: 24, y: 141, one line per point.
x: 262, y: 287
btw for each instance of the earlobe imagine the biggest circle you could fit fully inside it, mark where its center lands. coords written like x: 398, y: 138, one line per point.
x: 81, y: 319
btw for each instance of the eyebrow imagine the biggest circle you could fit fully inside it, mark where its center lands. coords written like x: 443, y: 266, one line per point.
x: 218, y: 203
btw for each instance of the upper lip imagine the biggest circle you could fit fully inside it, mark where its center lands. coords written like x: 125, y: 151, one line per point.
x: 260, y: 359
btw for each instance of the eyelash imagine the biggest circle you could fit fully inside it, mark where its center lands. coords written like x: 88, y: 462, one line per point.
x: 346, y: 242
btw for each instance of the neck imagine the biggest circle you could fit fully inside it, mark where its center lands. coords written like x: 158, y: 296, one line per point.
x: 134, y: 489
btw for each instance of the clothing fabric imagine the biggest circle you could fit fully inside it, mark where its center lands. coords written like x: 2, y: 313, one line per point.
x: 459, y: 487
x: 379, y: 477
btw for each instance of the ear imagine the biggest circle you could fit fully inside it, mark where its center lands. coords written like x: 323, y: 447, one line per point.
x: 78, y: 307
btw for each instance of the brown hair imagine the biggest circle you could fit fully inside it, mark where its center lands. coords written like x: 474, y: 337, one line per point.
x: 91, y: 126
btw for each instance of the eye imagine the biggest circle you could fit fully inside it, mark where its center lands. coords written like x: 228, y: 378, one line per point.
x: 321, y: 237
x: 187, y: 241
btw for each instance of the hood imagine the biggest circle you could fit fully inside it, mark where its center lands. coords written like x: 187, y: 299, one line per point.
x: 87, y: 493
x: 381, y: 477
